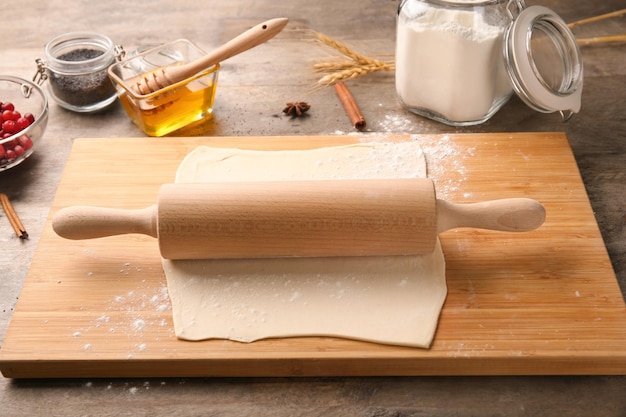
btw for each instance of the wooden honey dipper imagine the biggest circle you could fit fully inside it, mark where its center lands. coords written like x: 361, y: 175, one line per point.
x: 298, y: 218
x: 162, y: 77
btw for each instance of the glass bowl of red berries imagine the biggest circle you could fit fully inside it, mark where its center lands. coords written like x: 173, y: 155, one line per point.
x: 23, y: 119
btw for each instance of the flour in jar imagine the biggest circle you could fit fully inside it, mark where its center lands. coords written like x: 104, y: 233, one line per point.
x: 450, y: 65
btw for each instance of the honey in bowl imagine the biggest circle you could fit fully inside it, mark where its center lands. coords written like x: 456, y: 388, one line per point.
x: 173, y: 107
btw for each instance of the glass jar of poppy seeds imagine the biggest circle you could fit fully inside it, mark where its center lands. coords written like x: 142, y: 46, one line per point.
x: 75, y: 67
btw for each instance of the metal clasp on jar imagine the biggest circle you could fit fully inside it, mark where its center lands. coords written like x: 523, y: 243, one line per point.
x: 42, y: 74
x: 514, y: 8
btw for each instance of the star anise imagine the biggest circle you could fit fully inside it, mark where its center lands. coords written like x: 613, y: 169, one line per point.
x: 296, y: 108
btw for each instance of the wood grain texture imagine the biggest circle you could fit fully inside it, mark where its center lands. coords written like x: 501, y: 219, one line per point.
x: 296, y: 218
x: 542, y: 302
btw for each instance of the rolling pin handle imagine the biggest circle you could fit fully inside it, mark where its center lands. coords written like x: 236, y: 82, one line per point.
x: 507, y: 215
x: 86, y: 222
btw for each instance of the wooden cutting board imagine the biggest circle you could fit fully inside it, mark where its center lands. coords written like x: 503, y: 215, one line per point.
x: 545, y: 302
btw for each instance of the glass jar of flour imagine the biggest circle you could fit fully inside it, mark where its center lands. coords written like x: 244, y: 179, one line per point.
x: 458, y: 62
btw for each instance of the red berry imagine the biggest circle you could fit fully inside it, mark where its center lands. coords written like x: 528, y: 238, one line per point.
x: 7, y: 106
x: 10, y: 115
x: 11, y: 144
x: 10, y: 154
x: 22, y: 123
x: 9, y: 126
x: 19, y: 151
x: 11, y: 122
x: 25, y: 141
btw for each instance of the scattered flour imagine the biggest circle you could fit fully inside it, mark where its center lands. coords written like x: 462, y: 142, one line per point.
x: 446, y: 166
x: 397, y: 123
x: 139, y: 325
x: 445, y: 159
x: 136, y: 312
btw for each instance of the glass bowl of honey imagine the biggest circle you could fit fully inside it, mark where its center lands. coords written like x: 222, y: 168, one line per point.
x: 173, y: 107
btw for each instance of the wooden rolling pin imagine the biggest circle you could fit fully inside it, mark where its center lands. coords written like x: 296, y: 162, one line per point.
x: 165, y: 76
x: 298, y: 218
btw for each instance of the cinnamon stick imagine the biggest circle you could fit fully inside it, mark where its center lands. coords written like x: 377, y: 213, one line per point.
x: 354, y: 113
x: 15, y: 221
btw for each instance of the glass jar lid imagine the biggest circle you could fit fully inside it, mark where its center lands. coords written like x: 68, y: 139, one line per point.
x: 544, y: 61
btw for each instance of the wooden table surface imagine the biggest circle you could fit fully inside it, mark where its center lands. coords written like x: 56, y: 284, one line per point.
x: 253, y: 89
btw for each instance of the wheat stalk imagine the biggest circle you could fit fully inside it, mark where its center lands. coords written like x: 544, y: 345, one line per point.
x: 333, y: 66
x: 602, y: 39
x: 330, y: 67
x: 616, y: 13
x: 350, y: 73
x: 357, y: 65
x: 344, y: 49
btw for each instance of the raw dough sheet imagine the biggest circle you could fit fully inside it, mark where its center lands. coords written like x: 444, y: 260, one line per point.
x: 391, y: 300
